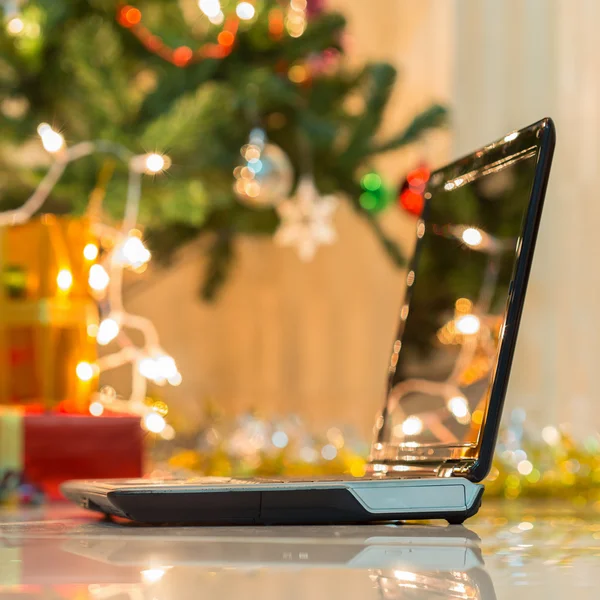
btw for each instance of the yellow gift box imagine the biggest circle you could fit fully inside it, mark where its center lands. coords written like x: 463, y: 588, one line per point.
x: 48, y: 317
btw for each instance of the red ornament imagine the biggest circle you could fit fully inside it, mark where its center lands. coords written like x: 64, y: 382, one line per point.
x: 411, y: 196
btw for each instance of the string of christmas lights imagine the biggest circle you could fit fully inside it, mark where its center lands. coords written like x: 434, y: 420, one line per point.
x: 294, y: 22
x: 119, y: 249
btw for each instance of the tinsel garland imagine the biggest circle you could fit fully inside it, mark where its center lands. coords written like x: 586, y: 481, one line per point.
x: 551, y: 464
x: 548, y: 464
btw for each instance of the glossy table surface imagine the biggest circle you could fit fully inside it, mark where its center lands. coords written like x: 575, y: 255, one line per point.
x: 508, y: 551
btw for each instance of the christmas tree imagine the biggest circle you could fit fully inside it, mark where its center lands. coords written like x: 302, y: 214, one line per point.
x: 245, y: 100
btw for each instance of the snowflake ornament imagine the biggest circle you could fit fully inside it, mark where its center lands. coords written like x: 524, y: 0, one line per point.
x: 306, y: 220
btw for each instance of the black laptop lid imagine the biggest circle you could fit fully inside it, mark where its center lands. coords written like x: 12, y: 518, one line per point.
x: 466, y: 287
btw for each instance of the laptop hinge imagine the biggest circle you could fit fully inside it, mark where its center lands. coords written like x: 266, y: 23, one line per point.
x: 454, y: 469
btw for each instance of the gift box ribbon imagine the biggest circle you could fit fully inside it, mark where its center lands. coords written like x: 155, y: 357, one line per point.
x: 11, y: 441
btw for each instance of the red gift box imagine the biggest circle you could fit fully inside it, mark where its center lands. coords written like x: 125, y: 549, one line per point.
x: 50, y: 448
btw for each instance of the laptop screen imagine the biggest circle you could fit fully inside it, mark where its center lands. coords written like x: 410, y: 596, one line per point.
x: 445, y: 360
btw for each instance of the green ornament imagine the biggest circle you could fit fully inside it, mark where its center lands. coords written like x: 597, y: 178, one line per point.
x: 375, y: 196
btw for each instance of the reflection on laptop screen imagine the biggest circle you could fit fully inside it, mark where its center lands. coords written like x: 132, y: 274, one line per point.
x: 458, y: 296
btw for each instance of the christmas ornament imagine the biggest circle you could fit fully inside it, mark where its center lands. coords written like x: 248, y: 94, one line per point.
x: 375, y: 196
x: 265, y: 177
x: 306, y: 220
x: 411, y: 197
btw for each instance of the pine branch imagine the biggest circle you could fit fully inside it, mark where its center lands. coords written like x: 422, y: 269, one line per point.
x: 220, y: 256
x: 192, y: 121
x: 380, y: 79
x: 352, y: 190
x: 93, y: 54
x: 164, y: 242
x: 430, y: 118
x: 173, y: 84
x: 323, y: 32
x: 390, y: 246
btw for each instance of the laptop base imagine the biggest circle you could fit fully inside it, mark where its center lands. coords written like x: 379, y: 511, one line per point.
x: 218, y: 501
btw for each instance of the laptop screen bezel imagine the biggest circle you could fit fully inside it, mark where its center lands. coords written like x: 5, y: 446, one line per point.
x: 541, y: 137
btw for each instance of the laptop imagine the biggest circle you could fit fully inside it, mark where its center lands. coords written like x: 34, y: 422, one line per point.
x: 447, y: 376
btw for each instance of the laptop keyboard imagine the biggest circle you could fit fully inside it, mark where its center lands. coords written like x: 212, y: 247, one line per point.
x: 230, y: 481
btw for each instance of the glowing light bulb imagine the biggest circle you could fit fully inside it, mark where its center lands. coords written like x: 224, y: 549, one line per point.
x: 159, y: 368
x: 108, y: 331
x: 472, y: 237
x: 155, y: 163
x: 147, y: 368
x: 550, y: 435
x: 90, y: 252
x: 84, y: 370
x: 458, y: 406
x: 295, y: 22
x: 96, y: 409
x: 152, y: 575
x: 211, y: 8
x: 15, y: 26
x: 154, y: 422
x: 134, y: 253
x: 168, y: 433
x: 64, y: 280
x: 175, y: 380
x: 98, y: 278
x: 245, y: 11
x: 108, y: 393
x: 405, y: 576
x: 51, y: 140
x: 467, y: 324
x: 279, y: 439
x: 165, y: 366
x: 216, y: 20
x: 329, y: 452
x: 412, y: 426
x: 525, y: 467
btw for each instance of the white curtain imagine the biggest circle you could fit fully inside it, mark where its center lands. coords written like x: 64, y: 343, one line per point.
x: 515, y: 62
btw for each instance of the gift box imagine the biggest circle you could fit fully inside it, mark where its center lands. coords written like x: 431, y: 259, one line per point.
x: 48, y: 313
x: 45, y: 449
